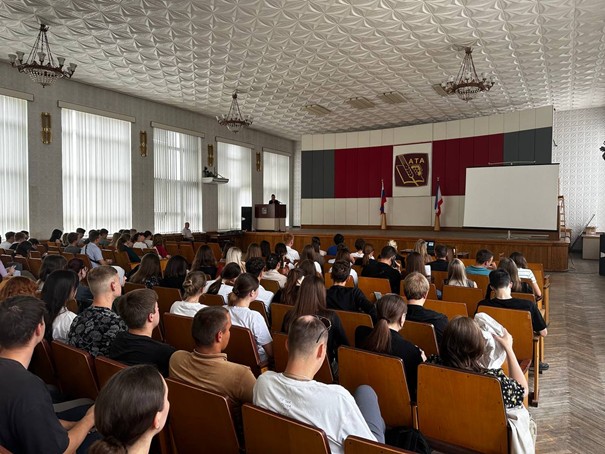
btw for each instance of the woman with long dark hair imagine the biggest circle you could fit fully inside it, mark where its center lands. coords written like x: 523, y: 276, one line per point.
x: 308, y: 253
x: 55, y: 237
x: 84, y: 296
x: 125, y: 245
x: 224, y: 284
x: 50, y: 263
x: 289, y: 293
x: 59, y: 288
x: 175, y: 272
x: 149, y: 272
x: 368, y: 254
x: 205, y: 261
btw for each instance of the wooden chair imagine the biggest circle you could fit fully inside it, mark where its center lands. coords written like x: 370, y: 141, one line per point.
x: 357, y: 268
x: 212, y: 300
x: 172, y: 248
x: 121, y: 259
x: 186, y: 250
x: 329, y: 283
x: 432, y: 291
x: 324, y: 374
x: 107, y: 368
x: 35, y: 264
x: 526, y: 344
x: 369, y: 285
x: 351, y: 320
x: 386, y: 376
x: 269, y: 432
x: 35, y: 254
x: 22, y: 261
x: 278, y: 312
x: 42, y: 363
x: 177, y: 331
x: 75, y: 370
x: 139, y: 251
x: 481, y: 281
x: 358, y: 445
x: 197, y: 245
x: 200, y: 420
x: 130, y: 286
x: 216, y: 250
x: 422, y: 335
x: 459, y: 409
x: 260, y: 307
x: 524, y: 296
x: 450, y: 309
x: 108, y: 255
x: 438, y: 278
x: 469, y: 296
x: 242, y: 350
x: 269, y: 284
x: 68, y: 255
x: 6, y: 259
x: 85, y: 259
x: 166, y: 297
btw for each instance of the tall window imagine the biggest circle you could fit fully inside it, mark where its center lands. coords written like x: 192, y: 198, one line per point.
x: 96, y: 172
x: 14, y: 211
x: 177, y: 175
x: 233, y: 162
x: 276, y: 179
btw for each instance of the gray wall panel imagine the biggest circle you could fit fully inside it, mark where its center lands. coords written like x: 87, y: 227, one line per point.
x: 511, y: 147
x: 318, y: 175
x: 543, y: 146
x: 527, y: 140
x: 306, y: 171
x: 328, y: 174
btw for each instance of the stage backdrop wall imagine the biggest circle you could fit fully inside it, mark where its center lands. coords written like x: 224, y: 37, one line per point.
x: 342, y: 173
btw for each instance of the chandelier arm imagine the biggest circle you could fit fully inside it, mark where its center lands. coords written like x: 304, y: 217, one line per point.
x: 32, y: 53
x: 51, y: 60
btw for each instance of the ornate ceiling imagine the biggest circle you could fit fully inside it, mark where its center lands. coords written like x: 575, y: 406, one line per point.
x: 284, y: 54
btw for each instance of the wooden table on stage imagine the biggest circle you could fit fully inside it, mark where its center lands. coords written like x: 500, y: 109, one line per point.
x: 271, y: 217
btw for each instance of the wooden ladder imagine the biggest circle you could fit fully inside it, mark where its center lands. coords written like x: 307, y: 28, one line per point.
x: 563, y: 232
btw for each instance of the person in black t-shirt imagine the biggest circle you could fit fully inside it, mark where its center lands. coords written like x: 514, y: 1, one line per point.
x: 139, y: 309
x: 440, y: 263
x: 416, y: 289
x: 340, y: 297
x: 385, y: 267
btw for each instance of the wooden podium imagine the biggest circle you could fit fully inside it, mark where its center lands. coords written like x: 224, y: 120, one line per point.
x: 271, y: 217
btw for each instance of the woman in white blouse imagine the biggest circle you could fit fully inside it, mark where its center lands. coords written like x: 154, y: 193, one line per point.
x: 194, y: 288
x: 60, y: 287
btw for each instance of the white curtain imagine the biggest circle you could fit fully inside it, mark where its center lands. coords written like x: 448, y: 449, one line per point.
x: 177, y: 180
x: 14, y: 209
x: 276, y: 179
x: 233, y: 162
x: 96, y: 172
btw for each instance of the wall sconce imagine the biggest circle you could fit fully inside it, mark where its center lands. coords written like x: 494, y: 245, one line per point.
x: 210, y: 155
x: 258, y: 162
x: 143, y: 143
x: 46, y: 131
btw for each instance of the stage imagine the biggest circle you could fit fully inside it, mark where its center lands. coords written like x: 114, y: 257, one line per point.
x: 535, y: 246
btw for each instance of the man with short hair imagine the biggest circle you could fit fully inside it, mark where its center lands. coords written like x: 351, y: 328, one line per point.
x: 440, y: 262
x: 207, y: 366
x: 359, y: 245
x: 93, y: 251
x: 331, y: 408
x: 72, y: 239
x: 343, y: 298
x: 139, y: 310
x: 148, y: 239
x: 255, y: 266
x: 103, y: 240
x: 383, y: 267
x: 416, y: 290
x: 20, y: 237
x: 273, y: 200
x: 96, y: 327
x: 80, y: 231
x: 338, y: 239
x: 8, y: 241
x: 291, y: 254
x: 29, y: 423
x: 186, y: 232
x: 484, y: 263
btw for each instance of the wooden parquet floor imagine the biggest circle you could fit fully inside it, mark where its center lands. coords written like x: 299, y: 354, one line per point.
x: 571, y: 414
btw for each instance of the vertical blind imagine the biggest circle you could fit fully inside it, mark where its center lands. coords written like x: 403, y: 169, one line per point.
x: 276, y: 179
x: 233, y: 162
x: 177, y: 183
x: 14, y: 211
x: 96, y: 172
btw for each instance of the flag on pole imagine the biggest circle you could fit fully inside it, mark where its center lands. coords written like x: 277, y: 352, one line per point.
x: 438, y: 200
x: 383, y: 198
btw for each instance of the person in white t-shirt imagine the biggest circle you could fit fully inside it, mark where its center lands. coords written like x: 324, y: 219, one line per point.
x: 224, y: 284
x: 526, y: 273
x: 194, y: 288
x: 359, y: 245
x: 186, y: 232
x: 291, y: 253
x: 245, y: 290
x: 331, y: 408
x: 255, y: 266
x: 139, y: 241
x: 273, y: 270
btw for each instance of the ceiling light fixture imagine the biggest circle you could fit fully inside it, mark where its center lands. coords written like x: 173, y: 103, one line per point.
x: 42, y: 71
x: 392, y: 97
x: 316, y: 109
x: 234, y: 120
x: 360, y: 103
x: 467, y: 83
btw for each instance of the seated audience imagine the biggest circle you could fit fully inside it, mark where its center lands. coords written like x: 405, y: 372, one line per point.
x: 207, y: 366
x: 139, y: 241
x: 282, y: 252
x: 50, y: 263
x: 72, y: 248
x: 526, y: 273
x: 131, y: 409
x: 359, y: 244
x: 308, y: 253
x: 253, y: 251
x: 148, y: 239
x: 255, y: 266
x: 193, y: 287
x: 385, y: 267
x: 245, y: 290
x: 234, y: 255
x: 205, y: 261
x: 80, y: 231
x: 23, y: 249
x: 273, y: 266
x: 421, y: 248
x: 312, y: 301
x: 139, y: 310
x: 456, y: 275
x: 149, y: 271
x: 416, y: 290
x: 186, y: 232
x: 289, y: 293
x: 224, y: 284
x: 93, y: 251
x: 415, y: 264
x: 338, y: 239
x: 309, y: 268
x: 385, y: 338
x: 59, y: 288
x: 83, y: 294
x: 340, y: 297
x: 484, y: 263
x: 331, y: 408
x: 518, y: 285
x: 30, y: 424
x: 159, y: 245
x: 317, y: 246
x: 368, y: 254
x: 55, y: 237
x: 343, y: 254
x: 265, y: 248
x: 125, y: 245
x: 9, y: 239
x: 440, y: 263
x: 19, y: 238
x: 103, y: 240
x: 95, y: 328
x: 174, y: 273
x: 292, y: 254
x: 16, y: 286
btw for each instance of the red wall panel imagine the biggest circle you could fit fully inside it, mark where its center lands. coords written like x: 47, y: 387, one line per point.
x: 467, y: 151
x: 481, y: 151
x: 496, y: 148
x: 451, y: 182
x: 438, y: 164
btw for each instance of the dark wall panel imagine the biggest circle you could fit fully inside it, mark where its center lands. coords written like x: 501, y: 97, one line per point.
x: 527, y: 145
x: 481, y: 151
x: 318, y: 174
x: 451, y: 180
x: 306, y: 175
x: 328, y: 186
x: 495, y: 146
x: 438, y: 164
x: 543, y: 146
x: 511, y: 147
x: 467, y: 159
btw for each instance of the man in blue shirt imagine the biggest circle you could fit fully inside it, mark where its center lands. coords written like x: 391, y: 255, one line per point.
x: 484, y: 263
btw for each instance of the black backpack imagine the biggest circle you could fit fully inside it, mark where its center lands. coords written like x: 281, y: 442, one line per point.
x: 408, y: 438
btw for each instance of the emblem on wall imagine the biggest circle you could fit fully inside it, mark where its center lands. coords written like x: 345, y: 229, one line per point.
x: 412, y: 169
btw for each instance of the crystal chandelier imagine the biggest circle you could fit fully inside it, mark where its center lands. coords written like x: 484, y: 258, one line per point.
x: 467, y: 83
x: 234, y: 120
x: 44, y: 71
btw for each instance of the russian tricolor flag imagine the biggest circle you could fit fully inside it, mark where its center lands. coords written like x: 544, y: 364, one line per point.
x: 383, y: 198
x: 438, y: 200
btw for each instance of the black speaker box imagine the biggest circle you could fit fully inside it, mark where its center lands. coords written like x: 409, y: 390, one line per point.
x: 602, y: 255
x: 247, y: 218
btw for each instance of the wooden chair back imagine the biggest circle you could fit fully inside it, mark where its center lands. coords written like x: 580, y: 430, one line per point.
x: 535, y: 266
x: 358, y: 445
x: 107, y: 368
x: 35, y: 254
x: 280, y: 352
x: 172, y: 248
x: 166, y: 297
x: 432, y: 291
x: 75, y: 370
x: 269, y: 432
x: 85, y: 259
x: 22, y: 261
x: 357, y: 268
x: 130, y: 286
x: 35, y: 264
x: 216, y: 250
x: 422, y: 335
x: 278, y: 313
x: 242, y: 349
x: 108, y: 254
x: 212, y: 300
x: 518, y: 324
x: 524, y: 296
x: 177, y: 331
x: 186, y: 250
x: 6, y: 259
x: 197, y: 245
x: 269, y: 284
x: 461, y: 409
x: 481, y: 281
x: 139, y: 251
x: 329, y: 282
x: 369, y: 285
x: 42, y: 363
x: 438, y: 278
x: 450, y: 309
x: 260, y: 307
x: 121, y: 259
x: 68, y: 255
x: 386, y: 376
x: 200, y: 420
x: 469, y: 296
x: 351, y: 320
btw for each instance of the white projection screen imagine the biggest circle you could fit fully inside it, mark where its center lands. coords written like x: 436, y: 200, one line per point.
x: 512, y: 197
